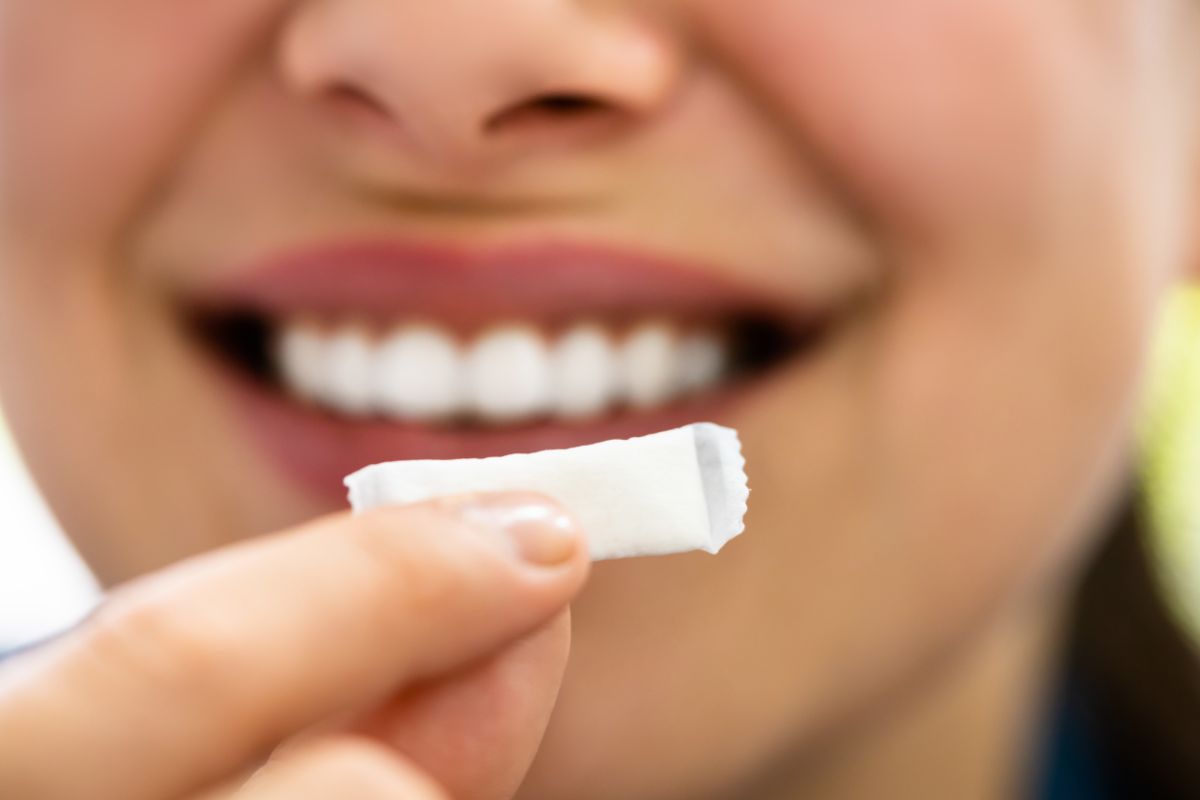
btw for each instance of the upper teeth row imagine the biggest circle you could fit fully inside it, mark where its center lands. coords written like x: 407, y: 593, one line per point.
x: 509, y: 373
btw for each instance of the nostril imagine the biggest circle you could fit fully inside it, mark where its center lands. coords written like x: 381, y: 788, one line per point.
x: 567, y: 105
x: 557, y: 109
x: 345, y: 96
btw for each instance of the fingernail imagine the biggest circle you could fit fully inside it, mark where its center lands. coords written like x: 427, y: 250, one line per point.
x: 542, y: 533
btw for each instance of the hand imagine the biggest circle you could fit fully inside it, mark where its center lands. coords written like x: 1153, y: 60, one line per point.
x: 410, y: 653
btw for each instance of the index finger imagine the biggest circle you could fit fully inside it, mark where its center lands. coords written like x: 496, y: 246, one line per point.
x: 191, y: 674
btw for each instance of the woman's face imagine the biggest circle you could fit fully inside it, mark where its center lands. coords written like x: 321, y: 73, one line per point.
x: 967, y: 210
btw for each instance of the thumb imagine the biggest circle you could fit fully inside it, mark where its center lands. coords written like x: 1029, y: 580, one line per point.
x: 477, y: 731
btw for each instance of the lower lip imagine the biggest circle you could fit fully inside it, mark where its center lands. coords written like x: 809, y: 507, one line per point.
x: 316, y: 449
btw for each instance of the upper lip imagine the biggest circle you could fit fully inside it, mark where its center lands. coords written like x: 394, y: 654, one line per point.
x: 382, y: 281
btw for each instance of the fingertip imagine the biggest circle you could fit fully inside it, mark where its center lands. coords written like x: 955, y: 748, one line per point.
x: 542, y: 533
x: 536, y: 529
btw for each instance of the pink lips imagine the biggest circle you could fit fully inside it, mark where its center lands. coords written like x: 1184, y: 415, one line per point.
x: 456, y: 287
x: 385, y: 282
x: 317, y: 449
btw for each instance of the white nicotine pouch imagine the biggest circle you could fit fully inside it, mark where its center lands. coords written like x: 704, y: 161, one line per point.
x: 670, y: 492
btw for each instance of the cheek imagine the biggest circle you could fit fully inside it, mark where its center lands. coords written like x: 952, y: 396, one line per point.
x: 993, y: 149
x: 96, y: 97
x: 932, y: 113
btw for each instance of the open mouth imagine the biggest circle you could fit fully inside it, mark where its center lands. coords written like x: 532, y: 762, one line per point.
x: 511, y: 373
x: 343, y: 356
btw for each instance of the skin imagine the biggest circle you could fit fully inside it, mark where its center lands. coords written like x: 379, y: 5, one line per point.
x: 1001, y: 189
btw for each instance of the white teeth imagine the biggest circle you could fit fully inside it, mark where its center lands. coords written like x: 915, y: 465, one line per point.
x: 508, y: 375
x: 585, y: 372
x: 418, y: 374
x: 301, y: 355
x: 348, y: 372
x: 702, y: 359
x: 649, y: 362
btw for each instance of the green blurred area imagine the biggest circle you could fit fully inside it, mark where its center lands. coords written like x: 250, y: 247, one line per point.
x: 1170, y: 437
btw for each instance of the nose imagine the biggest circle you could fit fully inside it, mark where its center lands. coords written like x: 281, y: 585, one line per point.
x: 468, y: 81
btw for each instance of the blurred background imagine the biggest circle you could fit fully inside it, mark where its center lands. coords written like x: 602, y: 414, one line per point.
x: 45, y: 588
x: 43, y: 585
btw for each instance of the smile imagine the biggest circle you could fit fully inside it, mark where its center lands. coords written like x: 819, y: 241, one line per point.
x: 349, y: 354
